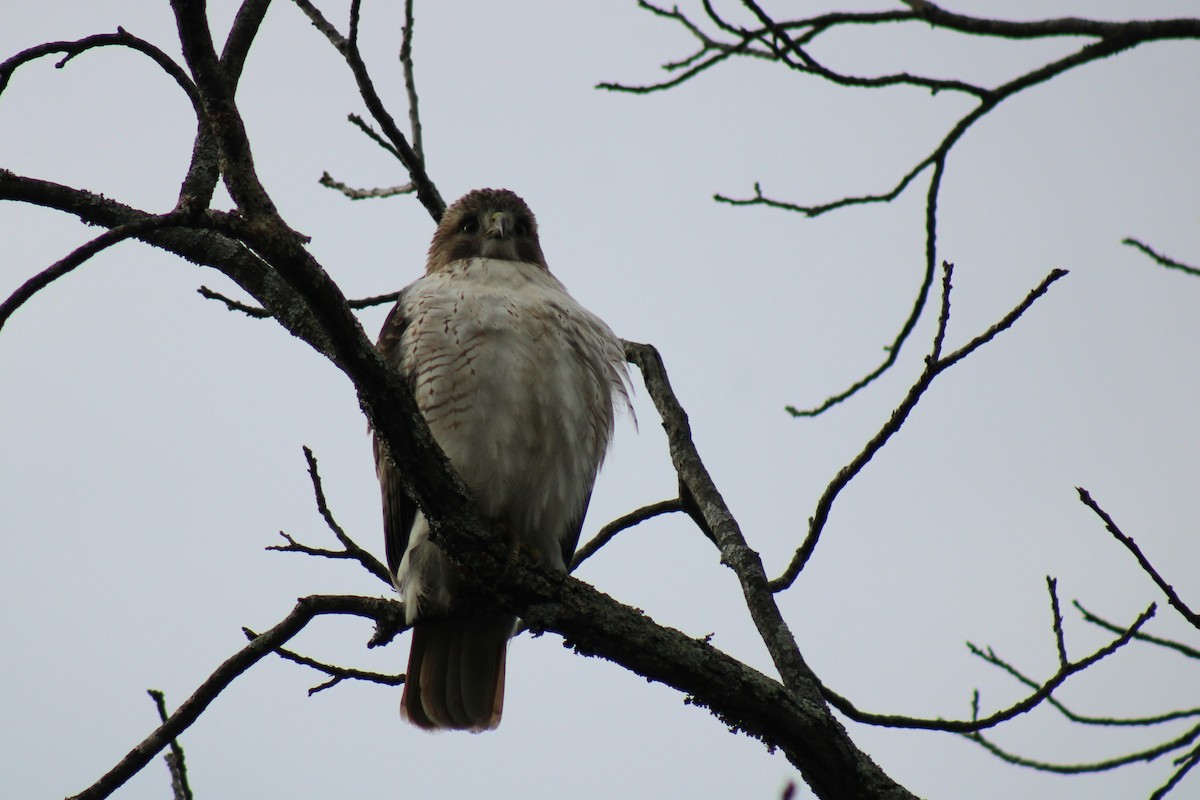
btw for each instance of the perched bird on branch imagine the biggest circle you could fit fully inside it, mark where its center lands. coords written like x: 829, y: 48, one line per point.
x: 519, y: 384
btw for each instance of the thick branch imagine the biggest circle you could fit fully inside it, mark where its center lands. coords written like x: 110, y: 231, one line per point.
x: 839, y: 769
x: 203, y: 247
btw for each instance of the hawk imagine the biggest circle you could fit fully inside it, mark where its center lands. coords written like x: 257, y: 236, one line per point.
x: 519, y: 384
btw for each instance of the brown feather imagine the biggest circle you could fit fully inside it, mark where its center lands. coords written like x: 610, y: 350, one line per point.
x: 456, y: 672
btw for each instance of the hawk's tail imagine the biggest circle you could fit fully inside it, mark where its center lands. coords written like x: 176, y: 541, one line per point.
x: 456, y: 673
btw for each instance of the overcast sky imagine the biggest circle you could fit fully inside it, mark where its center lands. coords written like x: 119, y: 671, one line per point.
x: 151, y: 439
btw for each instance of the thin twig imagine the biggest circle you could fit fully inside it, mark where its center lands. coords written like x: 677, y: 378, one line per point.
x: 1109, y: 722
x: 234, y: 305
x: 372, y: 134
x: 1149, y: 754
x: 1057, y: 620
x: 1185, y: 764
x: 609, y: 531
x: 1172, y: 597
x: 1169, y: 644
x: 375, y: 300
x: 426, y: 191
x: 262, y: 313
x: 329, y: 182
x: 350, y: 548
x: 1165, y: 261
x: 180, y: 789
x: 933, y: 368
x: 410, y: 81
x: 336, y: 674
x: 121, y: 38
x: 976, y: 723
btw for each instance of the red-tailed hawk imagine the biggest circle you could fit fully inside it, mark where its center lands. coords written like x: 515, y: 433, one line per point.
x: 518, y: 383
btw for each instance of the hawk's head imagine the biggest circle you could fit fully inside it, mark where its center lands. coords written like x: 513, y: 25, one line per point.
x: 486, y: 223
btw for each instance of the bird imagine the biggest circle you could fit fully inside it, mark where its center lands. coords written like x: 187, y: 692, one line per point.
x: 520, y: 386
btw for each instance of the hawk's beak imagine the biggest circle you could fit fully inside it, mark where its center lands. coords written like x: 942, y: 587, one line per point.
x: 500, y: 225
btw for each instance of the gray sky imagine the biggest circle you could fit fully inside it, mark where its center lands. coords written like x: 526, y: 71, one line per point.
x: 152, y: 439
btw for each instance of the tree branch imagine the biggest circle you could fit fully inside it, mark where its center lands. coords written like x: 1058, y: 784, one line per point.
x: 121, y: 38
x: 1042, y: 692
x: 412, y: 160
x: 350, y: 548
x: 77, y: 257
x: 1130, y: 545
x: 787, y: 42
x: 1179, y: 647
x: 306, y: 609
x: 180, y: 789
x: 609, y: 531
x: 336, y: 674
x: 1163, y: 260
x: 935, y: 364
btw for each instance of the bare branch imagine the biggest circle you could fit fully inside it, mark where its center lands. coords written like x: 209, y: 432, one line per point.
x: 234, y: 305
x: 1165, y: 261
x: 1169, y: 644
x: 735, y: 552
x: 204, y: 169
x: 934, y: 366
x: 180, y: 790
x: 1185, y: 764
x: 1172, y: 597
x: 305, y: 610
x: 121, y: 38
x: 414, y: 162
x: 336, y: 674
x: 609, y: 531
x: 787, y: 42
x: 241, y: 35
x: 976, y: 724
x: 806, y: 63
x: 81, y: 254
x: 262, y: 313
x: 350, y: 548
x: 1149, y: 754
x: 353, y: 193
x: 410, y: 81
x: 375, y: 300
x: 1137, y: 30
x: 1110, y: 722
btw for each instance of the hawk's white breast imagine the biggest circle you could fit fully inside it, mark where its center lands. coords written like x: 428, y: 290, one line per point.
x: 517, y: 382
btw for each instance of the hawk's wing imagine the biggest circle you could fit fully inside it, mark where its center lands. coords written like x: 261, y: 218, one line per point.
x: 399, y: 511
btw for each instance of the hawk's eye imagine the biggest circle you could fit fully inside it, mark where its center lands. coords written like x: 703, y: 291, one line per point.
x: 470, y: 225
x: 521, y: 228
